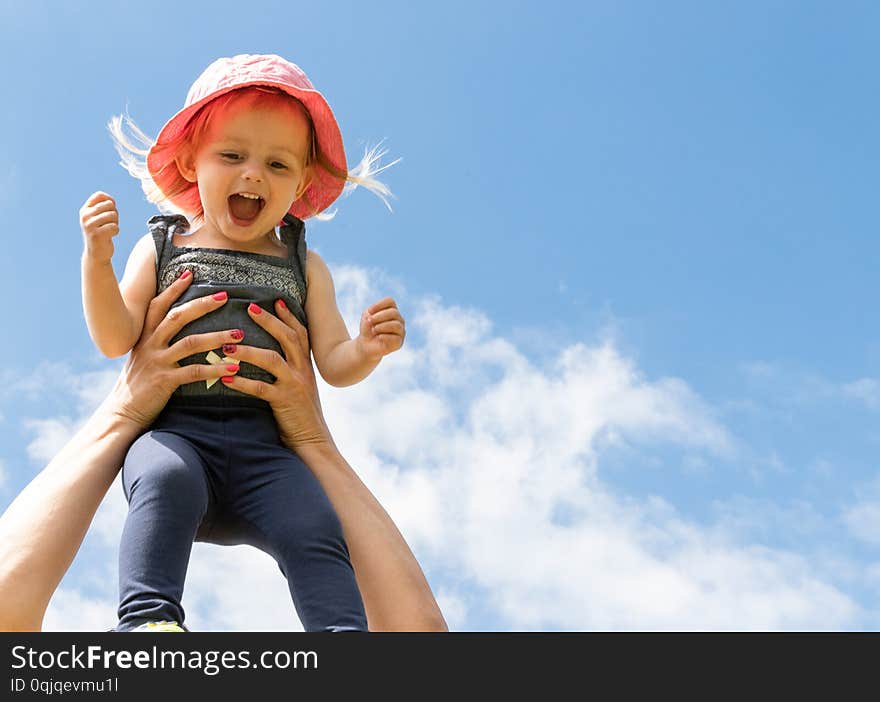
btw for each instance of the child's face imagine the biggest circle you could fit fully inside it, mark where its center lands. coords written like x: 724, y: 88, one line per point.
x: 261, y: 152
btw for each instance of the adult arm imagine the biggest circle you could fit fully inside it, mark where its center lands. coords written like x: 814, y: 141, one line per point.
x: 396, y: 594
x: 41, y: 531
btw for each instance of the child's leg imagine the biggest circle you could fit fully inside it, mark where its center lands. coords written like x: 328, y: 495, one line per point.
x: 168, y: 496
x: 279, y: 506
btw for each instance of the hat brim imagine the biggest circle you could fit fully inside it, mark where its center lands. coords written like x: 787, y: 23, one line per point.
x: 324, y: 187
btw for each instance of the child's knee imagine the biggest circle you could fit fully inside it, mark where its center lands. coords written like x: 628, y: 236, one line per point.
x: 302, y: 535
x: 171, y: 479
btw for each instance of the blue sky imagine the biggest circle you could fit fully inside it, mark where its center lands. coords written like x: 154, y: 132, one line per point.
x: 654, y: 222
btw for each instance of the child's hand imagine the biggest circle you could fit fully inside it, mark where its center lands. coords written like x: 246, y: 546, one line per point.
x: 382, y: 329
x: 99, y: 220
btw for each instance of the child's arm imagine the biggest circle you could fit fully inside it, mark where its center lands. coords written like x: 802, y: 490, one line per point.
x: 114, y: 311
x: 340, y: 359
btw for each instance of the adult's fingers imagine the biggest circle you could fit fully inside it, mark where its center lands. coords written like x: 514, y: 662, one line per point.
x: 197, y: 372
x: 301, y: 333
x: 160, y: 304
x: 200, y: 343
x: 175, y: 320
x: 256, y: 388
x: 267, y: 359
x: 290, y: 333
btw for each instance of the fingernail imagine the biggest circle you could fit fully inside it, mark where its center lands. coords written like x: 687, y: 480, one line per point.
x: 185, y: 274
x: 255, y: 308
x: 237, y: 334
x: 227, y: 379
x: 220, y: 295
x: 232, y: 367
x: 282, y: 305
x: 229, y: 349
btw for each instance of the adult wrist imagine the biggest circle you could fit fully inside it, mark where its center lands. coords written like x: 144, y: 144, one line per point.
x: 118, y: 406
x: 108, y: 421
x: 318, y: 449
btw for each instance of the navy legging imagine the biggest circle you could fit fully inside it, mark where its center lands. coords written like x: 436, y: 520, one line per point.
x: 220, y: 474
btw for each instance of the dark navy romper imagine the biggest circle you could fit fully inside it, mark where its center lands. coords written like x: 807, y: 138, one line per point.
x: 212, y: 467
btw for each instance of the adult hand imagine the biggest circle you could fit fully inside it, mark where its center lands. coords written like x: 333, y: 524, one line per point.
x: 294, y: 394
x: 41, y: 531
x: 151, y: 372
x: 396, y: 594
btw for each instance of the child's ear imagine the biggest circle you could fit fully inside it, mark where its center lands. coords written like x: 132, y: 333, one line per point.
x: 185, y: 162
x: 304, y: 183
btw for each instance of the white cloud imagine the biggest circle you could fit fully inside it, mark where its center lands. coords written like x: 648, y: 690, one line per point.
x: 862, y: 519
x: 72, y: 610
x: 872, y: 574
x: 454, y: 609
x: 35, y: 382
x: 57, y: 379
x: 492, y: 468
x: 792, y: 385
x: 237, y: 588
x: 50, y: 436
x: 480, y: 488
x: 865, y: 389
x: 762, y: 519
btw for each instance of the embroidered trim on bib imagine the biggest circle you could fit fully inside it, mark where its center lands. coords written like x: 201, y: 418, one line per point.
x: 225, y: 268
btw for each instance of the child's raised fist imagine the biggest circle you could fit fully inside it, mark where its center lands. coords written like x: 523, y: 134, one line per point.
x: 382, y: 329
x: 99, y: 221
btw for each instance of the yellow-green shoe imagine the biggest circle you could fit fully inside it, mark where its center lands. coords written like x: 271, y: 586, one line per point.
x: 159, y: 627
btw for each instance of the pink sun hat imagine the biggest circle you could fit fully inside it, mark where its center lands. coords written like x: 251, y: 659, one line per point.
x: 245, y: 70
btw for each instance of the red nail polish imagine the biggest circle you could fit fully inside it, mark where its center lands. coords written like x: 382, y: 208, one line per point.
x: 253, y: 307
x: 282, y: 305
x: 232, y: 367
x: 220, y: 295
x: 229, y: 349
x: 185, y: 274
x: 227, y: 379
x: 237, y: 334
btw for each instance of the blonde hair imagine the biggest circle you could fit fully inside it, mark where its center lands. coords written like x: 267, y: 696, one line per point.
x: 133, y: 151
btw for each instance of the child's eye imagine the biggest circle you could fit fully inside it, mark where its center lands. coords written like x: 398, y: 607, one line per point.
x: 229, y: 155
x: 278, y: 164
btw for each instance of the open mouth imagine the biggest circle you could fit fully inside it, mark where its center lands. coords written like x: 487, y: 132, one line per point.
x: 245, y: 207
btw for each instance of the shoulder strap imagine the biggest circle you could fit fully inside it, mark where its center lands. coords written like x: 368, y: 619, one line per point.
x: 293, y: 234
x: 162, y: 228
